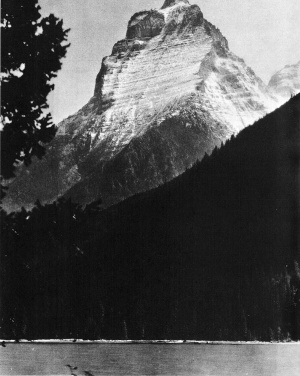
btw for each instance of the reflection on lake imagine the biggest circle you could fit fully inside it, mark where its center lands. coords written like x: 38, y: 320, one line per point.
x: 151, y: 359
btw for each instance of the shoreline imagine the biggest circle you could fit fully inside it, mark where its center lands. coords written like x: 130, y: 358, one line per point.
x: 146, y: 342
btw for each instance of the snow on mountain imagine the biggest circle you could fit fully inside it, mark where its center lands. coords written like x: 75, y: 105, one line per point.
x: 169, y: 93
x: 286, y: 82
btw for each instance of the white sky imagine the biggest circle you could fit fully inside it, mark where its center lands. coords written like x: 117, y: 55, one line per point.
x: 265, y: 33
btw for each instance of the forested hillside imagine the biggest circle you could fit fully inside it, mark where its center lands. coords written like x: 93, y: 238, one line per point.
x: 211, y: 255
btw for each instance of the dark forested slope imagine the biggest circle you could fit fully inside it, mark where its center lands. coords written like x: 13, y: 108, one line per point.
x: 211, y: 255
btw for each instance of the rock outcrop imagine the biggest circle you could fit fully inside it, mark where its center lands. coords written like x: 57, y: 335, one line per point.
x: 169, y: 93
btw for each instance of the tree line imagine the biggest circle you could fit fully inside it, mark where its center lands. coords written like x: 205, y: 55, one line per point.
x: 211, y: 255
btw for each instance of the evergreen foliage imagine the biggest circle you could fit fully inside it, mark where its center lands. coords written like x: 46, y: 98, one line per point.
x: 32, y: 49
x: 211, y: 255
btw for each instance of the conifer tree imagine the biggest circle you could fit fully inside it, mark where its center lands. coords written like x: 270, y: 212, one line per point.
x: 32, y: 49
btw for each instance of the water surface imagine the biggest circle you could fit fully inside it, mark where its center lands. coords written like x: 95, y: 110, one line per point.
x: 151, y: 359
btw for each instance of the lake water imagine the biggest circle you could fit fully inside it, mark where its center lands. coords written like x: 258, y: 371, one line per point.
x: 151, y: 359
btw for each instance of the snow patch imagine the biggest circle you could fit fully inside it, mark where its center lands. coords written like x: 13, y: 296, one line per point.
x: 138, y: 18
x: 167, y: 12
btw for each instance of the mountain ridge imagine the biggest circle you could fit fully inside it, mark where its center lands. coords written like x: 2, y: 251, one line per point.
x: 212, y: 254
x: 286, y: 82
x: 172, y: 79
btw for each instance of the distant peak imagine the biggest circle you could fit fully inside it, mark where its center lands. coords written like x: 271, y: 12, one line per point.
x: 170, y: 3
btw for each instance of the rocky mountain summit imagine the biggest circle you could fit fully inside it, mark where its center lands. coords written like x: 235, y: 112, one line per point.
x: 170, y: 3
x: 170, y: 92
x: 286, y: 82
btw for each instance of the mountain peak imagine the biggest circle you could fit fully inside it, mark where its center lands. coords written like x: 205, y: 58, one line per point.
x: 170, y: 92
x: 286, y: 82
x: 170, y: 3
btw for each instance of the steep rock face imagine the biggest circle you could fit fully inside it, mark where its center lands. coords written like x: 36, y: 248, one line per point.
x: 169, y: 93
x: 286, y: 82
x: 145, y: 25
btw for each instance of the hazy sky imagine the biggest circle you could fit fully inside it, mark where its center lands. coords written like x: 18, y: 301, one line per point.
x: 265, y: 33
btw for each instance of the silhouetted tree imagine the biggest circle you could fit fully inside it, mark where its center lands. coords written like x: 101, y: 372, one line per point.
x: 32, y: 49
